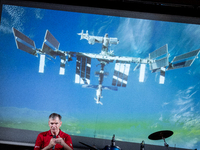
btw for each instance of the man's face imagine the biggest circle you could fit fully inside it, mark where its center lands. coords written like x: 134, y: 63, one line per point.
x: 54, y: 125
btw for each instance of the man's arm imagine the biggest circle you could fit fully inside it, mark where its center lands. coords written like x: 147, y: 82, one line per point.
x: 38, y: 143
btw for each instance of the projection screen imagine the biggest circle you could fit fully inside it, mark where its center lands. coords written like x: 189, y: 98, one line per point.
x: 105, y: 103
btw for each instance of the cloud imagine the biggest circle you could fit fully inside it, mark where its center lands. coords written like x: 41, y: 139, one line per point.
x: 106, y: 23
x: 164, y: 104
x: 184, y: 110
x: 154, y: 125
x: 182, y: 102
x: 185, y: 117
x: 161, y: 118
x: 4, y: 27
x: 192, y: 31
x: 135, y: 35
x: 39, y: 13
x: 12, y: 18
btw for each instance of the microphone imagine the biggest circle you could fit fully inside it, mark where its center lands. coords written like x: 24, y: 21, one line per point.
x: 142, y: 146
x: 54, y: 136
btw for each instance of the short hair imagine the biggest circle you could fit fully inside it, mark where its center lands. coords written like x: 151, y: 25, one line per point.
x: 54, y: 115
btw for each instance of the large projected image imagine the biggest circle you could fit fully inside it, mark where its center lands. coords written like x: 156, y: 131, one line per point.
x: 104, y: 74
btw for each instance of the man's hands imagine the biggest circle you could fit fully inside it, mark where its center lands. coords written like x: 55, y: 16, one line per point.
x: 55, y: 141
x: 60, y: 141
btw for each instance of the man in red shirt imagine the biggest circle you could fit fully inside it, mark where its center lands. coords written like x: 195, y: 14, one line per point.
x: 54, y: 139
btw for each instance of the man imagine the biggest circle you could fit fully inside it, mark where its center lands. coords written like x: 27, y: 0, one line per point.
x: 54, y: 138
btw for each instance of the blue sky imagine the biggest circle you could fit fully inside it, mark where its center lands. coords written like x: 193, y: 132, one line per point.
x: 144, y: 108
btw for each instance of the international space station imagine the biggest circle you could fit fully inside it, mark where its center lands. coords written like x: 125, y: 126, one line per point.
x: 158, y: 60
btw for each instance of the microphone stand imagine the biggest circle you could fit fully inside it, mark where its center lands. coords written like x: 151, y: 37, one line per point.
x: 165, y: 144
x: 142, y: 146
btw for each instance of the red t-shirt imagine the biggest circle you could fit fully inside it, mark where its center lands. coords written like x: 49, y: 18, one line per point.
x: 44, y: 138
